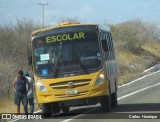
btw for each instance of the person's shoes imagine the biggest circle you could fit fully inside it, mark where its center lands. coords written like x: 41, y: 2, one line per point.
x: 31, y: 113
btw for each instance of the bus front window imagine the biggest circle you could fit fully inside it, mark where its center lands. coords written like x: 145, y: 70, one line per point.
x: 68, y: 56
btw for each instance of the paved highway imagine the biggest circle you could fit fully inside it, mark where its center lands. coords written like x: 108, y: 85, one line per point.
x: 140, y: 96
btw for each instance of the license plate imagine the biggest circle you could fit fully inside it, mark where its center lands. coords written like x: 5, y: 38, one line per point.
x: 71, y: 92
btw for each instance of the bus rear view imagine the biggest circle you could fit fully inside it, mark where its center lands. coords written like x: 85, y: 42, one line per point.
x: 74, y: 65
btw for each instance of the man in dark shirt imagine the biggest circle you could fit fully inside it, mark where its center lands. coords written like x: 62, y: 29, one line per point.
x: 19, y: 85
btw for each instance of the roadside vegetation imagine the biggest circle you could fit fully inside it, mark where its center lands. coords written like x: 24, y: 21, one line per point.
x: 136, y: 45
x: 137, y: 48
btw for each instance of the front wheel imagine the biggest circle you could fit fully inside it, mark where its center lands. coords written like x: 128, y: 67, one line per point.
x: 55, y: 108
x: 46, y: 110
x: 106, y: 103
x: 65, y: 109
x: 114, y: 99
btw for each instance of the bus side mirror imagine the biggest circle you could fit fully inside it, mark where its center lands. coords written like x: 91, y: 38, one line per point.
x: 29, y: 53
x: 29, y: 59
x: 104, y: 45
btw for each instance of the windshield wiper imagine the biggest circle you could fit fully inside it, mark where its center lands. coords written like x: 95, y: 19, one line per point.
x: 58, y: 60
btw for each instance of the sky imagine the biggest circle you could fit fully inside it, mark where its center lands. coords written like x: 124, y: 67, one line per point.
x: 87, y: 11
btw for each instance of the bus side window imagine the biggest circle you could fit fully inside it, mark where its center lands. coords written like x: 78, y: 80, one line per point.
x: 104, y: 43
x: 111, y: 46
x: 108, y: 41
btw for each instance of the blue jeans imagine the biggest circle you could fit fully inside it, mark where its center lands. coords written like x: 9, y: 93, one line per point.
x: 31, y: 104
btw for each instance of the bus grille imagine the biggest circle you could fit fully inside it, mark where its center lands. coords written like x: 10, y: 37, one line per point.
x: 64, y: 84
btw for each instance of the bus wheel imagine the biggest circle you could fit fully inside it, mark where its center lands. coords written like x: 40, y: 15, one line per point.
x: 46, y: 110
x: 114, y: 99
x: 55, y: 108
x: 106, y: 103
x: 65, y: 109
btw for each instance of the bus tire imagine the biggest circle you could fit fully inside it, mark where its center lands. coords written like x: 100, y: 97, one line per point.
x: 46, y: 110
x: 65, y: 109
x: 56, y: 108
x: 114, y: 99
x: 106, y: 103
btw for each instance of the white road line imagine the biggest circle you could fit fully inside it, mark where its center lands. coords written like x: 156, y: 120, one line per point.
x: 79, y: 115
x: 135, y: 92
x: 14, y: 120
x: 120, y: 98
x: 138, y: 79
x: 37, y: 111
x: 149, y: 69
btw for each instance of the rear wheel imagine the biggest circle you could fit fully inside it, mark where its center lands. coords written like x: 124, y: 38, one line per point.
x: 106, y: 103
x: 46, y: 110
x: 114, y: 99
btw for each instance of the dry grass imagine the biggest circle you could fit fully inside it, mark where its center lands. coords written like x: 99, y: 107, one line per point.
x: 125, y: 56
x: 153, y: 48
x: 7, y: 106
x: 131, y: 66
x: 126, y: 67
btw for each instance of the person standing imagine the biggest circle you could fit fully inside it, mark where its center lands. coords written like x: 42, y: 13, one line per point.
x: 30, y: 95
x: 19, y: 85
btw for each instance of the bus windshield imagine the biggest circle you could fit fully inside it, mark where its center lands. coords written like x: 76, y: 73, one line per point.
x: 66, y: 54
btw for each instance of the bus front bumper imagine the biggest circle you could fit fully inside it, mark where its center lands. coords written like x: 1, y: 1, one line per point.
x: 96, y: 91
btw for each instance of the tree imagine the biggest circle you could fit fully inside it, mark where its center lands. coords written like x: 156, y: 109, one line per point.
x: 69, y: 19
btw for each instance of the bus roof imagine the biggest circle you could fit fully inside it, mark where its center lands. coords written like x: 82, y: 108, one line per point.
x: 69, y: 24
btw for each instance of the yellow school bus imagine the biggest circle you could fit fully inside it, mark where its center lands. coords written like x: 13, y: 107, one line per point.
x: 74, y: 65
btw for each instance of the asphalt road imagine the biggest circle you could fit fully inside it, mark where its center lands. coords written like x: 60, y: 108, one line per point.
x: 140, y: 98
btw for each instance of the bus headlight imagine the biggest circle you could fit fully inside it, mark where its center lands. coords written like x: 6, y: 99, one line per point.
x: 40, y: 86
x: 100, y: 79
